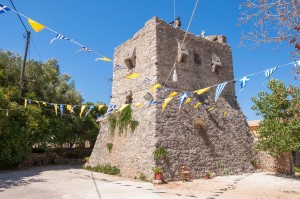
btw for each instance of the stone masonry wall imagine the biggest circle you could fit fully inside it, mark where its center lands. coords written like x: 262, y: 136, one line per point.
x: 204, y: 140
x: 132, y: 152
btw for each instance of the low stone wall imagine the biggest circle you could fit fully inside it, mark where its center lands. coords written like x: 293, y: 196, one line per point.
x: 279, y: 164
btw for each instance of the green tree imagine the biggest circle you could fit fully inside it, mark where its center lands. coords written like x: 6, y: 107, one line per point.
x: 279, y: 130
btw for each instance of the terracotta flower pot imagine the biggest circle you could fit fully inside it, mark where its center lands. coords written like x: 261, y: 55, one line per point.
x: 158, y: 176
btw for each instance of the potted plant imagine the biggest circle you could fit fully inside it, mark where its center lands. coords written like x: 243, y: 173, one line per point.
x: 158, y: 173
x: 208, y: 175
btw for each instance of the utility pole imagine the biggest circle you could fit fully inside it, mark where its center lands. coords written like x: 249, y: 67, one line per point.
x: 22, y: 84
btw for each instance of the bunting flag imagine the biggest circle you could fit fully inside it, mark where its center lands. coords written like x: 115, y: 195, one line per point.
x: 103, y: 59
x: 25, y: 100
x: 133, y: 75
x: 118, y: 67
x: 297, y: 63
x: 152, y: 103
x: 81, y: 111
x: 244, y: 81
x: 45, y: 103
x: 59, y: 36
x: 198, y: 103
x: 188, y: 100
x: 85, y: 49
x: 146, y: 81
x: 89, y: 110
x: 138, y: 104
x: 201, y: 91
x: 55, y: 108
x: 225, y: 113
x: 100, y: 107
x: 37, y: 27
x: 111, y: 109
x: 69, y: 108
x: 211, y: 109
x: 155, y: 86
x: 38, y: 103
x: 183, y: 98
x: 3, y: 9
x: 122, y: 107
x: 270, y: 71
x: 166, y: 102
x: 173, y: 94
x: 219, y: 90
x: 61, y: 108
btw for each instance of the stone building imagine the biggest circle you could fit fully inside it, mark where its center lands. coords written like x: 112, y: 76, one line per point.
x: 205, y: 140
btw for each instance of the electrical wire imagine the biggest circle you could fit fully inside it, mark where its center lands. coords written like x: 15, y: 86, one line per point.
x: 18, y: 15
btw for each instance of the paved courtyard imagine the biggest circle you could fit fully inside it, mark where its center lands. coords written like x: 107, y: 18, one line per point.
x: 69, y: 182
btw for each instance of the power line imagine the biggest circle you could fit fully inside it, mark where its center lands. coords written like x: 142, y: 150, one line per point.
x: 18, y: 15
x: 36, y: 49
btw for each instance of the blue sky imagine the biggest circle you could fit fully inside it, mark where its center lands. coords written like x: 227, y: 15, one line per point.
x: 103, y: 25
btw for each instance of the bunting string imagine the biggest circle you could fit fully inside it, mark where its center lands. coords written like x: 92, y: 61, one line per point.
x: 37, y: 27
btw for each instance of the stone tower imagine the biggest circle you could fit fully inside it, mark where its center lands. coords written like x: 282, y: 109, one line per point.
x: 205, y: 140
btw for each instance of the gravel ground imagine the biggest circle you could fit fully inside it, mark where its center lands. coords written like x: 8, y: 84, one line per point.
x: 69, y: 182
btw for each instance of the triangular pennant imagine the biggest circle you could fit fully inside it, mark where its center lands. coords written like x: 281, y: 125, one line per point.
x: 188, y: 100
x: 38, y: 103
x: 225, y: 113
x: 138, y: 104
x: 45, y: 103
x: 155, y: 86
x: 59, y: 36
x: 270, y: 71
x: 211, y: 109
x: 198, y: 103
x: 219, y: 90
x: 244, y: 81
x: 61, y: 108
x: 122, y: 107
x: 183, y: 98
x: 100, y: 107
x: 201, y: 91
x: 3, y: 9
x: 133, y: 75
x: 55, y: 108
x: 103, y: 59
x: 25, y: 103
x: 90, y: 109
x: 166, y: 102
x: 82, y: 109
x: 173, y: 94
x: 37, y: 27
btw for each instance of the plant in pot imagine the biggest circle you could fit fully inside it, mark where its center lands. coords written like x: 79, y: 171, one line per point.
x: 208, y: 175
x: 158, y: 173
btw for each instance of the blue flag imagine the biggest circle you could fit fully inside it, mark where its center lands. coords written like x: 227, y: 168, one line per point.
x: 89, y: 110
x: 183, y: 97
x: 3, y: 9
x: 59, y: 36
x: 244, y: 81
x: 219, y: 90
x: 61, y: 108
x: 270, y: 71
x: 110, y: 109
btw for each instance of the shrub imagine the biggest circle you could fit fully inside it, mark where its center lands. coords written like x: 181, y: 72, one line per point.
x: 107, y: 169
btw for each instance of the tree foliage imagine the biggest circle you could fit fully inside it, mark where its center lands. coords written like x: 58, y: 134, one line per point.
x: 272, y: 21
x: 38, y: 125
x: 279, y: 130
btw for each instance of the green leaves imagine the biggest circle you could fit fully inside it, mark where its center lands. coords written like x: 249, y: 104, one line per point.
x: 280, y: 128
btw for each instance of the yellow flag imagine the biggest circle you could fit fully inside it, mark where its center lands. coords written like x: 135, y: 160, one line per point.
x: 225, y: 113
x: 173, y: 94
x: 38, y: 103
x: 82, y: 109
x: 166, y: 102
x: 45, y: 103
x: 188, y: 100
x: 103, y: 59
x: 35, y: 25
x: 155, y: 86
x: 55, y: 108
x: 25, y: 103
x: 211, y: 109
x: 201, y: 91
x: 100, y: 107
x: 138, y: 104
x: 133, y: 75
x: 122, y: 107
x: 69, y: 107
x: 198, y: 103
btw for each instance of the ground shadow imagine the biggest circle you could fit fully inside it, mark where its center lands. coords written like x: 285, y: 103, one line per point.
x: 14, y: 178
